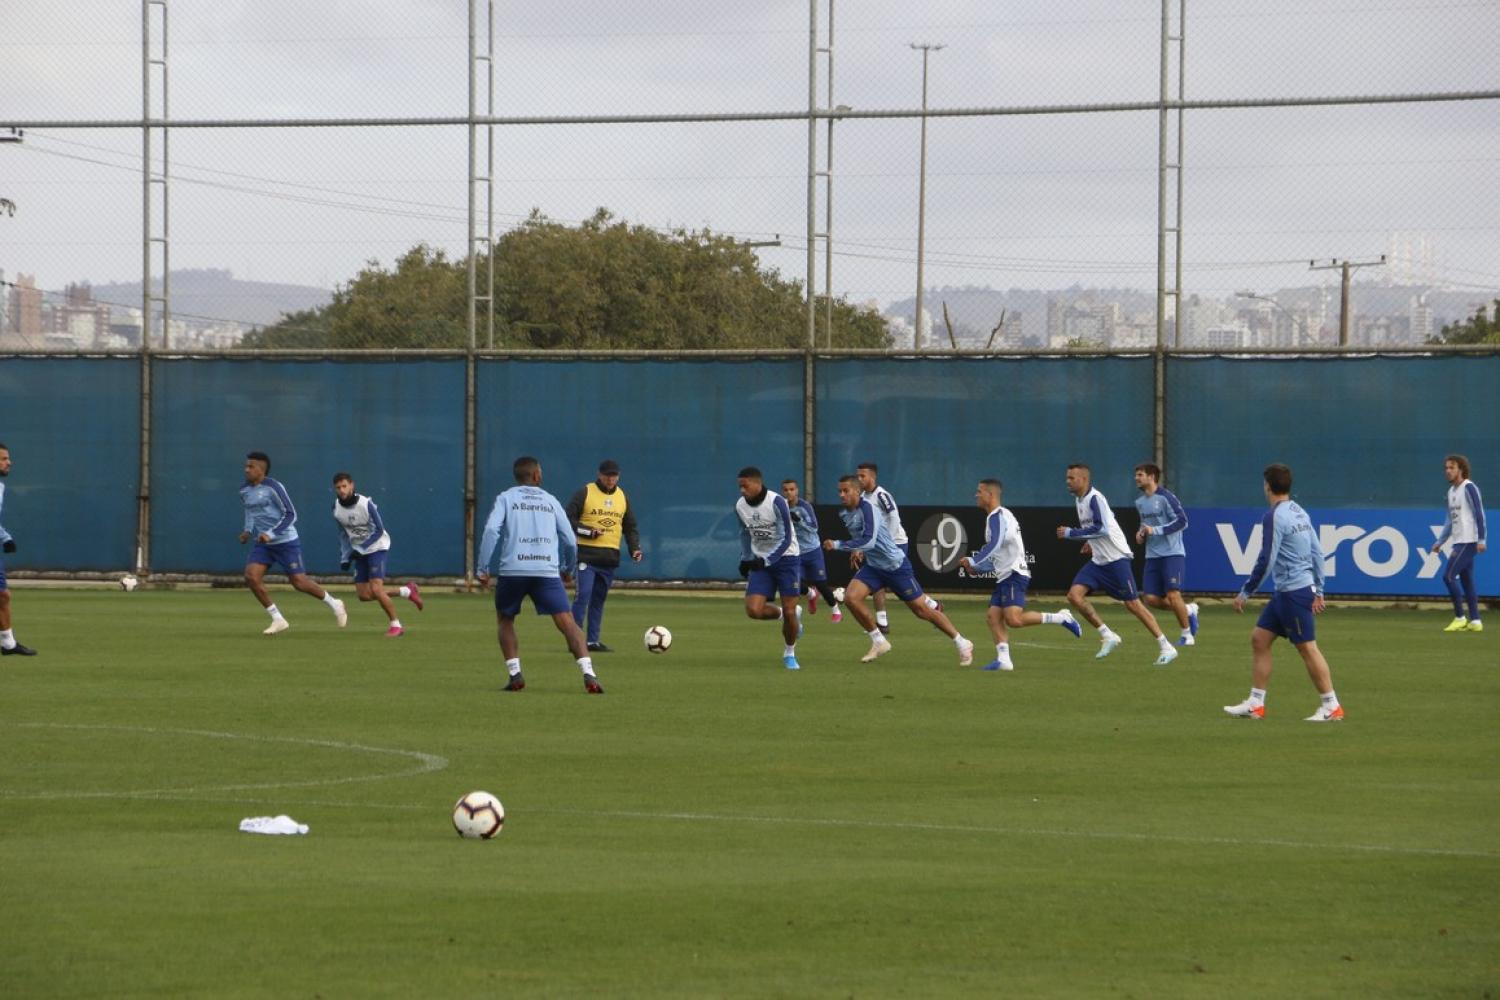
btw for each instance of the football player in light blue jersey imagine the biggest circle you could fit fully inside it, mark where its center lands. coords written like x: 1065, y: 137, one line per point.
x: 1162, y: 523
x: 1109, y: 566
x: 1465, y: 528
x: 883, y: 565
x: 528, y: 547
x: 868, y: 474
x: 770, y: 559
x: 271, y: 519
x: 1004, y: 554
x: 364, y: 545
x: 810, y: 546
x: 8, y: 644
x: 1290, y: 553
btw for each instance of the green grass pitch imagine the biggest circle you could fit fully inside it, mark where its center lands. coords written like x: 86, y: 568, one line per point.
x: 715, y: 825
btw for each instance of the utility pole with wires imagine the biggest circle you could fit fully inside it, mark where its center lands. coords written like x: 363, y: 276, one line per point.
x: 1346, y: 267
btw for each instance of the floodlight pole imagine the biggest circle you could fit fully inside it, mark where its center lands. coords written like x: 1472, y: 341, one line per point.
x: 926, y: 48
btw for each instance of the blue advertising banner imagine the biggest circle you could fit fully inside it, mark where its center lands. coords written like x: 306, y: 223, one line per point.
x: 1386, y: 552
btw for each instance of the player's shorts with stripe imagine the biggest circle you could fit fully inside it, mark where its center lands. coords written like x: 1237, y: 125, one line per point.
x: 369, y: 567
x: 1011, y: 591
x: 546, y: 593
x: 902, y: 581
x: 288, y: 554
x: 812, y: 566
x: 1114, y: 578
x: 1163, y: 574
x: 1289, y: 614
x: 783, y: 575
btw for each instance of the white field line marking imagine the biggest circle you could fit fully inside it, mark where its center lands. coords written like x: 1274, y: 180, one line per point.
x: 426, y: 762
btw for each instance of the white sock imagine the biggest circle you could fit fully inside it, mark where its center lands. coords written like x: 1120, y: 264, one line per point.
x: 1257, y: 696
x: 1002, y: 651
x: 1164, y: 642
x: 1052, y: 618
x: 586, y: 664
x: 395, y: 623
x: 959, y: 640
x: 1330, y: 700
x: 404, y: 591
x: 930, y: 602
x: 513, y: 667
x: 273, y: 611
x: 881, y: 618
x: 1106, y: 633
x: 791, y: 650
x: 329, y: 599
x: 875, y: 635
x: 7, y: 639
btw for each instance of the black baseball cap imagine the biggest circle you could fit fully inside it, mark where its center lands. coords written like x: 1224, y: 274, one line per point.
x: 609, y: 467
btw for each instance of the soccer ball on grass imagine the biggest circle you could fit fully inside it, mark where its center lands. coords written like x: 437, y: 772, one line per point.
x: 478, y: 816
x: 128, y: 582
x: 658, y: 639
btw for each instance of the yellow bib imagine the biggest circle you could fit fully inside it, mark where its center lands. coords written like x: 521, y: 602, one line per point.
x: 605, y: 513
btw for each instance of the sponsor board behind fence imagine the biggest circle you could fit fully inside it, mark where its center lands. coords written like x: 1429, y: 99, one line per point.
x: 1366, y: 551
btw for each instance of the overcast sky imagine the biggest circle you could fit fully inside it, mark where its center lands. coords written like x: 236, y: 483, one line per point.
x: 1031, y: 201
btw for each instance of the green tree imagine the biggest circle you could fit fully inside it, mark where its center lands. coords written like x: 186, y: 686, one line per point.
x: 1479, y: 329
x: 603, y: 284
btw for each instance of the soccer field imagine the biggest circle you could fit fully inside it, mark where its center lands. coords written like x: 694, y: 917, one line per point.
x: 715, y: 825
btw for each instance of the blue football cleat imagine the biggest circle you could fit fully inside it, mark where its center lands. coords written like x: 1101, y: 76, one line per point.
x: 1193, y: 618
x: 1071, y: 625
x: 998, y: 665
x: 790, y: 662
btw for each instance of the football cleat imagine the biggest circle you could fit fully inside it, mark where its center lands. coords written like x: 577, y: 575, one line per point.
x: 591, y: 684
x: 1192, y: 620
x: 812, y: 602
x: 1186, y: 639
x: 965, y: 653
x: 998, y: 665
x: 340, y: 613
x: 790, y: 662
x: 1071, y: 624
x: 18, y: 650
x: 836, y: 615
x: 1457, y: 625
x: 414, y: 594
x: 1246, y: 709
x: 1167, y: 656
x: 1326, y: 714
x: 599, y: 647
x: 1108, y: 645
x: 517, y: 682
x: 277, y: 625
x: 877, y: 650
x: 394, y: 631
x: 1476, y: 626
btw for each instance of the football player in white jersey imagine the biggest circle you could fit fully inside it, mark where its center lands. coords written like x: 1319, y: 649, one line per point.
x: 364, y: 544
x: 885, y: 505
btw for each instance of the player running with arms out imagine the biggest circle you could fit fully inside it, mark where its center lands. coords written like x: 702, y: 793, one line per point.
x: 271, y: 520
x: 810, y: 546
x: 1004, y: 554
x: 528, y: 547
x: 868, y: 474
x: 365, y: 545
x: 1465, y: 528
x: 770, y: 559
x: 1108, y: 568
x: 8, y: 644
x: 883, y: 565
x: 1289, y: 551
x: 1162, y: 523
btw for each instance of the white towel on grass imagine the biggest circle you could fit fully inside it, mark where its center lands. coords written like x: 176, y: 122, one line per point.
x: 272, y: 824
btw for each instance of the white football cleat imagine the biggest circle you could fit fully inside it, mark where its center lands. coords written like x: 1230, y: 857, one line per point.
x: 966, y: 653
x: 1167, y: 656
x: 340, y: 613
x: 1108, y: 645
x: 277, y: 625
x: 1326, y: 714
x: 1246, y: 709
x: 877, y: 649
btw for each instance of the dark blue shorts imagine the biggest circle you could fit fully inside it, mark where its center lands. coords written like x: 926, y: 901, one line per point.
x: 370, y: 567
x: 289, y: 554
x: 783, y: 575
x: 1010, y: 592
x: 1289, y: 614
x: 1116, y: 579
x: 901, y: 582
x: 812, y: 566
x: 546, y: 593
x: 1163, y: 575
